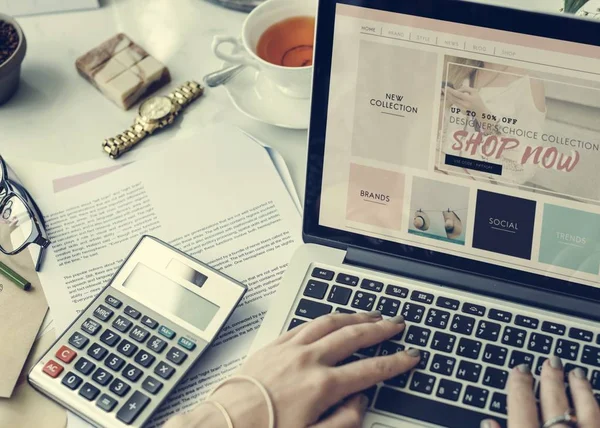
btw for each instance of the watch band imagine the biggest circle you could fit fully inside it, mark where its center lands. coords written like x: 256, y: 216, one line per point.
x: 186, y: 93
x: 118, y: 145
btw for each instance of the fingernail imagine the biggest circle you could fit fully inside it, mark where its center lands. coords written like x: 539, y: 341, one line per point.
x: 485, y: 424
x: 364, y: 402
x: 398, y: 319
x: 412, y: 352
x: 374, y: 314
x: 579, y: 373
x: 524, y: 368
x: 556, y: 362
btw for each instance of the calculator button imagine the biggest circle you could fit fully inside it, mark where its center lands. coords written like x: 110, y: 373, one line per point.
x: 119, y: 387
x: 89, y: 391
x: 106, y: 402
x: 186, y: 343
x: 152, y: 385
x: 114, y: 302
x: 127, y: 348
x: 97, y: 352
x: 149, y: 322
x: 144, y: 359
x: 132, y: 407
x: 78, y: 340
x: 110, y: 338
x: 103, y: 313
x: 156, y: 344
x: 65, y: 354
x: 138, y: 334
x: 176, y: 356
x: 52, y: 368
x: 132, y: 373
x: 90, y: 326
x: 102, y: 377
x: 133, y: 313
x: 114, y: 362
x: 84, y: 366
x: 122, y: 324
x: 166, y: 331
x: 164, y: 370
x: 71, y: 381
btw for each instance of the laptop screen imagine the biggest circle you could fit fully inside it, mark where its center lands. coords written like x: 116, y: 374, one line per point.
x: 464, y: 140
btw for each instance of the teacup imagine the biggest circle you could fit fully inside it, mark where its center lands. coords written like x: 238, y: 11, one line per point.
x: 292, y: 81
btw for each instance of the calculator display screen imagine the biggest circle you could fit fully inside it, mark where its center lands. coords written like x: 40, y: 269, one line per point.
x: 171, y: 297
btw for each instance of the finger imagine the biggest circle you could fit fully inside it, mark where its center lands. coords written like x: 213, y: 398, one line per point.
x: 553, y: 398
x: 522, y: 411
x: 348, y: 415
x: 363, y: 374
x: 347, y: 340
x: 586, y: 407
x: 489, y: 423
x: 323, y: 326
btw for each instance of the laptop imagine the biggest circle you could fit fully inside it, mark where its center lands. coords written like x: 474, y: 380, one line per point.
x: 453, y: 178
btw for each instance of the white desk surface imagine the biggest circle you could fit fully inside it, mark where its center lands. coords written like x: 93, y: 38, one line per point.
x: 57, y: 116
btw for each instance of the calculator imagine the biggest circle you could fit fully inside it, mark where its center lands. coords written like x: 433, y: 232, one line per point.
x: 116, y: 363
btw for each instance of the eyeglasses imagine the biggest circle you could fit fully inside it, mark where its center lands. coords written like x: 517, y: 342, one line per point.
x: 21, y: 222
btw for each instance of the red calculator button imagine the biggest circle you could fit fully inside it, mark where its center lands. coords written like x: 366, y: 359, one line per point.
x: 52, y: 368
x: 65, y: 354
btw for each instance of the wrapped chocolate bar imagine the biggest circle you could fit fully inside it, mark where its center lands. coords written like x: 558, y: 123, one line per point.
x: 122, y: 70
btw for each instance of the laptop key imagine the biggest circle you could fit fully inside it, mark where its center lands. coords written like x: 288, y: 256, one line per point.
x: 514, y: 337
x: 346, y: 279
x: 316, y: 289
x: 469, y: 371
x: 580, y: 334
x: 309, y: 309
x: 591, y: 356
x: 443, y: 342
x: 369, y: 284
x: 422, y: 382
x: 345, y: 311
x: 462, y: 324
x: 339, y: 295
x: 595, y: 381
x: 499, y: 315
x: 475, y: 396
x: 517, y: 358
x: 421, y: 297
x: 370, y: 351
x: 325, y: 274
x: 488, y: 330
x: 570, y: 367
x: 447, y: 303
x: 528, y: 322
x: 422, y: 365
x: 495, y: 355
x: 495, y: 378
x: 554, y: 328
x: 566, y: 349
x: 434, y: 412
x: 364, y: 301
x: 413, y: 312
x: 539, y: 364
x: 449, y: 389
x: 388, y: 348
x: 396, y: 291
x: 442, y: 364
x: 417, y: 335
x: 473, y: 309
x: 388, y: 306
x: 498, y: 403
x: 469, y: 348
x: 437, y: 318
x: 295, y: 322
x: 399, y: 381
x: 541, y: 343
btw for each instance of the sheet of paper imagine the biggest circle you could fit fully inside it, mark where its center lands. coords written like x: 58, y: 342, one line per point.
x: 35, y: 7
x: 221, y: 201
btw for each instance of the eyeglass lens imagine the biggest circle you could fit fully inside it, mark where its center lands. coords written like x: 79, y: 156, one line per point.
x: 16, y: 225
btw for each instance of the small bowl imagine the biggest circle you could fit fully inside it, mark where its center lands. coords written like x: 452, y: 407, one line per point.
x: 10, y: 70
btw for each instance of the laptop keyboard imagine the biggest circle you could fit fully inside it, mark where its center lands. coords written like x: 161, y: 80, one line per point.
x: 467, y: 348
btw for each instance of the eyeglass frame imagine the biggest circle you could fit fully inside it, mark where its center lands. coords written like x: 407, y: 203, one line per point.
x: 38, y: 235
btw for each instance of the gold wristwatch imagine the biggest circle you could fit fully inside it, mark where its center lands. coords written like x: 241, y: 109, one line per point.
x: 154, y: 113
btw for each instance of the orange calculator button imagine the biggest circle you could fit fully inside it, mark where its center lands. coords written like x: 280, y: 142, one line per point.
x: 65, y: 354
x: 52, y: 368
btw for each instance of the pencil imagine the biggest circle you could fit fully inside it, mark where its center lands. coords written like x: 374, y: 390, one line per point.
x: 14, y: 277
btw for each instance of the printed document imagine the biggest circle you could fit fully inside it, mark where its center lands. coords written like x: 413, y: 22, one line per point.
x: 218, y: 198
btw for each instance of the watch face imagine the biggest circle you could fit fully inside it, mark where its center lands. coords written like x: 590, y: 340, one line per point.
x: 156, y: 108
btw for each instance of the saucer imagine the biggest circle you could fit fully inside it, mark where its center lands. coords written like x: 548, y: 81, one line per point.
x: 258, y: 97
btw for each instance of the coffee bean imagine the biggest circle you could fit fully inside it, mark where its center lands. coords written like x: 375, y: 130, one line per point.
x: 9, y: 40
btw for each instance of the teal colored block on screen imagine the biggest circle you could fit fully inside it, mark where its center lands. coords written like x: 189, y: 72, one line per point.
x: 570, y: 239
